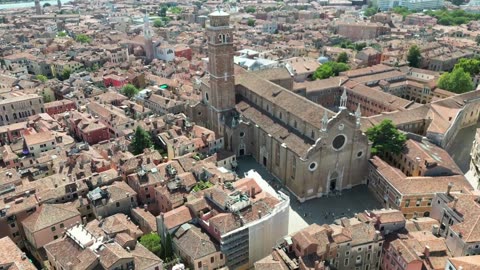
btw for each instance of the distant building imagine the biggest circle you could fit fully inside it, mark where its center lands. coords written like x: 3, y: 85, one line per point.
x: 18, y: 108
x: 87, y: 128
x: 408, y: 181
x: 40, y: 142
x: 420, y: 20
x: 458, y: 214
x: 59, y: 106
x: 11, y: 257
x: 361, y: 30
x: 113, y: 199
x: 49, y: 223
x: 197, y: 249
x: 85, y: 248
x: 347, y: 244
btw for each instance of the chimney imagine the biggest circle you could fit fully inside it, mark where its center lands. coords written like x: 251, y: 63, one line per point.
x: 80, y: 200
x: 377, y: 236
x: 145, y: 206
x: 435, y: 230
x: 426, y: 252
x: 252, y: 192
x: 259, y: 214
x: 415, y: 215
x: 455, y: 201
x: 449, y: 189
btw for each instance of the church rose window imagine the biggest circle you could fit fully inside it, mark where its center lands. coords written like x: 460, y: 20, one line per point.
x: 338, y: 142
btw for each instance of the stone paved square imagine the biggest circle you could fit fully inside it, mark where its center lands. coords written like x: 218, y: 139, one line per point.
x: 321, y: 210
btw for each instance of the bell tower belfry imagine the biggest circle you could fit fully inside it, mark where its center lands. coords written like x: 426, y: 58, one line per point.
x: 220, y: 96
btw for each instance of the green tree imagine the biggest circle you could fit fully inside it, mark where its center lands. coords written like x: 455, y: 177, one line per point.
x: 201, y: 185
x: 175, y: 10
x: 324, y: 71
x: 82, y: 38
x: 338, y: 67
x: 168, y: 249
x: 471, y: 66
x: 95, y: 67
x: 46, y: 98
x: 329, y: 69
x: 371, y: 11
x: 129, y: 90
x: 41, y: 78
x: 152, y: 242
x: 386, y: 138
x: 46, y: 5
x: 414, y: 56
x: 141, y: 140
x: 62, y: 34
x: 402, y: 11
x: 163, y: 12
x: 342, y: 57
x: 250, y: 9
x: 65, y: 74
x: 457, y: 81
x: 158, y: 23
x: 251, y: 22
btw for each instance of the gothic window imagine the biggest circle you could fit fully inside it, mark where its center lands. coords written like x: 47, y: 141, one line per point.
x: 222, y: 38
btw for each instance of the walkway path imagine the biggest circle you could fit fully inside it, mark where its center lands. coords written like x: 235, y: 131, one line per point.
x: 321, y: 210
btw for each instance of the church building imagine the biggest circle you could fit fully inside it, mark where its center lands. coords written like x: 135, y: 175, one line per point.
x: 312, y: 150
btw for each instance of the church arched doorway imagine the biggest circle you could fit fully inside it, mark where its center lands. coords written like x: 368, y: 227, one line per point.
x: 332, y: 181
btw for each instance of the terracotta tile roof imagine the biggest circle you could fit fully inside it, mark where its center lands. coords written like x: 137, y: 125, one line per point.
x: 468, y: 263
x: 408, y: 253
x: 390, y: 216
x: 119, y: 223
x: 67, y: 253
x: 39, y: 138
x: 177, y: 217
x: 192, y: 241
x: 426, y: 151
x: 143, y: 258
x: 111, y: 253
x: 278, y: 131
x: 469, y: 207
x: 418, y: 185
x: 390, y: 101
x: 49, y: 215
x: 300, y: 107
x: 11, y: 256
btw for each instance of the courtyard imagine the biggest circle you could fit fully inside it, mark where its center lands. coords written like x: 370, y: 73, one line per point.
x: 462, y: 145
x: 320, y: 210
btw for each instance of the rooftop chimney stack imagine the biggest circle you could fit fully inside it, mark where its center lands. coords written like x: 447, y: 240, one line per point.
x: 426, y: 252
x: 449, y: 189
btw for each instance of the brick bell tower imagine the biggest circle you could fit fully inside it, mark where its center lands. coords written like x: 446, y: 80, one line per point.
x: 220, y: 95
